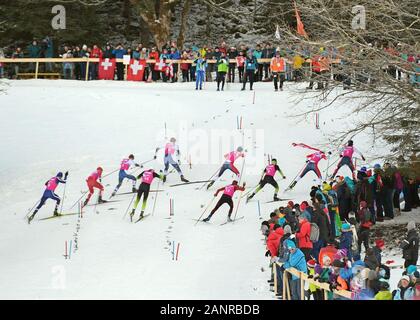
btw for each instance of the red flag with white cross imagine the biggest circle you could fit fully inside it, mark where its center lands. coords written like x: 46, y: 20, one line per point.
x: 136, y: 70
x: 106, y: 69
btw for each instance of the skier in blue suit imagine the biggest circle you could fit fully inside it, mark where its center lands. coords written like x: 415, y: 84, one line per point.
x: 201, y: 65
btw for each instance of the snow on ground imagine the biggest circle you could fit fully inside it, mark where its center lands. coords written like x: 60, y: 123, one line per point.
x: 50, y: 126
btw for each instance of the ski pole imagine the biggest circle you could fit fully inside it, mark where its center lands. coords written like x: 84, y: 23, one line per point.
x: 110, y: 173
x: 64, y: 194
x: 209, y: 178
x: 36, y: 203
x: 299, y: 172
x: 77, y: 201
x: 208, y: 206
x: 156, y: 195
x: 239, y: 200
x: 129, y: 205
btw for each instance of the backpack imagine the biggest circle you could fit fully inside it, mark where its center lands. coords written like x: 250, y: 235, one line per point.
x: 314, y: 235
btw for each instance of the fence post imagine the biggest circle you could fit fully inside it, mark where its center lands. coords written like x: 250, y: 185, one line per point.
x: 36, y: 69
x: 285, y: 273
x: 302, y: 287
x: 87, y: 70
x: 275, y: 276
x: 325, y: 294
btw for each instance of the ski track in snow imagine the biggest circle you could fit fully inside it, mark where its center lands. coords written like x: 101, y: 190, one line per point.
x: 50, y: 126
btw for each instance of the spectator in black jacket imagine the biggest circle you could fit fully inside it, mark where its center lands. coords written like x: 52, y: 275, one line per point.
x: 410, y: 245
x: 232, y: 54
x: 321, y: 220
x: 267, y: 53
x: 388, y: 180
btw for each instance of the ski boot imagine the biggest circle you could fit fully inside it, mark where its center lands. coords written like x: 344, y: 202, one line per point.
x: 229, y: 219
x: 132, y: 214
x: 113, y: 194
x: 183, y: 179
x: 207, y: 219
x: 275, y: 198
x: 85, y: 203
x: 31, y: 217
x: 164, y: 178
x: 100, y: 200
x: 134, y: 190
x: 56, y: 214
x: 210, y: 184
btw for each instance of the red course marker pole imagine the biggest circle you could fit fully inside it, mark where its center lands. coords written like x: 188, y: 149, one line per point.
x: 177, y: 251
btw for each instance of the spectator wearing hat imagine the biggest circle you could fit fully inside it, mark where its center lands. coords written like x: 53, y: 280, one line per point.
x: 303, y: 236
x: 346, y: 239
x: 384, y: 293
x: 365, y: 226
x: 273, y: 241
x: 295, y: 260
x: 410, y: 245
x: 232, y: 54
x: 314, y: 290
x: 403, y: 291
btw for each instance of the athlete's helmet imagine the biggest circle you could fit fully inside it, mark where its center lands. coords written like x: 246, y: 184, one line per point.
x: 240, y: 149
x: 274, y: 161
x: 350, y: 143
x: 131, y: 156
x: 234, y: 182
x: 59, y: 175
x: 172, y: 140
x: 99, y: 169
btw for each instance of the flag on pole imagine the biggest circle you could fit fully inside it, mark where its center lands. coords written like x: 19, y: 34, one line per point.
x: 300, y: 26
x: 277, y: 35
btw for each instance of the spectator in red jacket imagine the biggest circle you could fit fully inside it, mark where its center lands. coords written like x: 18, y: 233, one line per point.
x: 273, y: 241
x: 304, y: 237
x: 95, y: 53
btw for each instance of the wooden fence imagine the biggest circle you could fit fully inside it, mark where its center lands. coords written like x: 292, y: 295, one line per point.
x: 303, y: 277
x: 37, y: 61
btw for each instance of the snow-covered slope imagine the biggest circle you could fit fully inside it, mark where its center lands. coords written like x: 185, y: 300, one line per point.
x: 50, y: 126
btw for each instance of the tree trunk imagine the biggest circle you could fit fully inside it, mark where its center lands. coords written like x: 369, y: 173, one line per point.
x: 184, y: 17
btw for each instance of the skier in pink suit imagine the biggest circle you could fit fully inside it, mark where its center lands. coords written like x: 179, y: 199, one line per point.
x: 311, y: 163
x: 49, y: 193
x: 228, y: 192
x: 170, y: 158
x: 229, y: 164
x: 346, y: 154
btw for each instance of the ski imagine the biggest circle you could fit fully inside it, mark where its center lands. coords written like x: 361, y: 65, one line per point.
x: 232, y: 220
x: 105, y: 202
x: 191, y: 182
x: 119, y: 194
x: 141, y: 218
x: 277, y: 200
x: 59, y: 216
x: 198, y: 220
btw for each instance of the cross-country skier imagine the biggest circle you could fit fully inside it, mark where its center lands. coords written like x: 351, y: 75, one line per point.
x: 92, y: 182
x: 201, y: 65
x: 228, y: 192
x: 222, y: 68
x: 171, y: 153
x: 312, y: 163
x: 229, y: 164
x: 146, y: 177
x: 346, y: 154
x: 51, y: 185
x: 125, y: 165
x: 269, y: 173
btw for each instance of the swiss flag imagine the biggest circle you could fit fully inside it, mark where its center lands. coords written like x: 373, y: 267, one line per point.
x: 160, y: 65
x: 136, y: 70
x: 106, y: 69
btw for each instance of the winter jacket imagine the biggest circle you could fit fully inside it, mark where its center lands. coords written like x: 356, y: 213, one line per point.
x: 371, y: 262
x: 321, y: 220
x: 365, y: 218
x: 303, y: 236
x: 96, y: 53
x: 283, y: 252
x: 154, y: 55
x: 175, y: 55
x: 251, y: 64
x: 273, y: 241
x: 34, y: 51
x: 410, y: 246
x: 296, y: 260
x: 378, y: 254
x: 346, y: 241
x: 403, y: 293
x: 119, y: 53
x: 257, y: 54
x: 383, y: 295
x: 222, y: 65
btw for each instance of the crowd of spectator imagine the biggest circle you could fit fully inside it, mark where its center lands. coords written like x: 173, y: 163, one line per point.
x: 299, y: 62
x: 329, y: 237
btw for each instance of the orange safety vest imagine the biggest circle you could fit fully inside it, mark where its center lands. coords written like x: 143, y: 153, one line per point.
x: 277, y: 65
